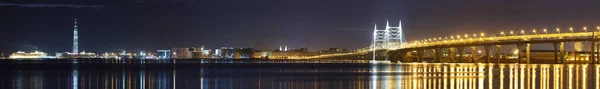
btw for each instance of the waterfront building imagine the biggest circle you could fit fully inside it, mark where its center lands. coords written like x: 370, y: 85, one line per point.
x: 290, y: 54
x: 227, y: 52
x: 110, y: 55
x: 164, y: 54
x: 243, y: 53
x: 30, y: 55
x: 182, y: 53
x: 217, y: 53
x: 83, y: 54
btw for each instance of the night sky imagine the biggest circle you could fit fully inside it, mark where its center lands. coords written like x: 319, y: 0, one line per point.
x: 107, y: 25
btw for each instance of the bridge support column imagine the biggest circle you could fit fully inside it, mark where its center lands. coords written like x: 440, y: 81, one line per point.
x: 598, y: 53
x: 460, y: 53
x: 559, y: 52
x: 497, y: 53
x: 528, y: 53
x: 562, y: 53
x: 473, y: 54
x: 487, y: 53
x: 556, y: 52
x: 519, y: 53
x: 451, y: 54
x: 420, y: 55
x: 593, y: 52
x: 438, y: 54
x: 434, y: 51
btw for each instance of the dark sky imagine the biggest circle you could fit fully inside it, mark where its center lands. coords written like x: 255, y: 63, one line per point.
x: 265, y: 24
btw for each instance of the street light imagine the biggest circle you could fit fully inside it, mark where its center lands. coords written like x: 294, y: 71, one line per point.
x: 545, y: 31
x: 502, y: 33
x: 585, y: 29
x: 523, y: 32
x: 482, y: 34
x: 558, y: 30
x: 571, y: 29
x: 534, y: 31
x: 512, y: 33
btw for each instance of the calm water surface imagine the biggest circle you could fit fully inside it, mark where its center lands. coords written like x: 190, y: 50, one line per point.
x: 254, y: 74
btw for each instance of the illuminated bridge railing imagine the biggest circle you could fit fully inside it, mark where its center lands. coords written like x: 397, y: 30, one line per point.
x: 475, y: 40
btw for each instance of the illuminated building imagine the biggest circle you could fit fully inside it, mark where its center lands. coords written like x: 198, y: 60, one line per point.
x: 201, y: 53
x: 79, y: 55
x: 182, y: 53
x: 227, y: 52
x: 123, y: 54
x: 290, y: 54
x: 75, y: 38
x: 110, y: 55
x: 164, y: 54
x: 75, y: 53
x: 31, y: 55
x: 243, y: 53
x: 217, y: 53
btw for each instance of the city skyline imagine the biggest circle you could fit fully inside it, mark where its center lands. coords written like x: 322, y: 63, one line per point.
x: 182, y: 24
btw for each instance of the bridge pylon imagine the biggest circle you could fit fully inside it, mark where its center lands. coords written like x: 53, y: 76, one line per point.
x: 388, y: 38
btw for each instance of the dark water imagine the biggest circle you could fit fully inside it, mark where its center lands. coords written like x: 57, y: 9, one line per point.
x: 211, y: 74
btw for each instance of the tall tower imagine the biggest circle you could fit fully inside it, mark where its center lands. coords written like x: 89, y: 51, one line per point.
x: 388, y: 38
x: 75, y: 38
x: 379, y: 40
x: 395, y: 36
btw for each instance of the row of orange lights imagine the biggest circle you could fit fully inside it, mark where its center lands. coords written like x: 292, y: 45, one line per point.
x: 501, y: 33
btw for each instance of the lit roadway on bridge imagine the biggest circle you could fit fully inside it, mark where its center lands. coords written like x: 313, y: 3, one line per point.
x: 509, y: 37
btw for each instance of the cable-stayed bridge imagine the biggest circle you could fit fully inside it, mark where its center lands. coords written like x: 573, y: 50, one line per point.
x: 389, y: 44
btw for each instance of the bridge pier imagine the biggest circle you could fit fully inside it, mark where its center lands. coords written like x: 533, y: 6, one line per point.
x: 562, y: 52
x: 452, y: 55
x: 435, y: 56
x: 438, y: 54
x: 420, y: 55
x: 558, y: 52
x: 593, y: 52
x: 460, y: 53
x: 497, y: 53
x: 528, y: 53
x: 487, y: 53
x: 473, y: 54
x: 598, y: 56
x: 519, y: 53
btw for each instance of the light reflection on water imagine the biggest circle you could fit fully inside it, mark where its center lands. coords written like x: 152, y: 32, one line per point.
x: 290, y: 75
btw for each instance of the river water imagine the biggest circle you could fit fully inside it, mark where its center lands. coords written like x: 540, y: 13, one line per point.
x: 287, y: 74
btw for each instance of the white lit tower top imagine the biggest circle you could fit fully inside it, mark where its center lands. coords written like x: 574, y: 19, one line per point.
x: 395, y: 36
x: 75, y: 38
x: 379, y: 38
x: 388, y: 38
